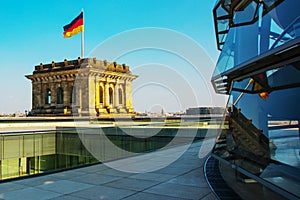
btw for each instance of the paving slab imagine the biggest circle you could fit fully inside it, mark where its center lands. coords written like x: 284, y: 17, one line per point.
x: 95, y: 179
x: 67, y: 174
x: 113, y: 172
x: 66, y: 197
x: 149, y: 196
x: 193, y: 178
x: 179, y: 191
x: 175, y: 170
x: 29, y: 193
x: 102, y: 192
x: 10, y: 186
x: 132, y: 184
x: 92, y: 169
x: 153, y: 176
x: 64, y: 186
x: 35, y: 181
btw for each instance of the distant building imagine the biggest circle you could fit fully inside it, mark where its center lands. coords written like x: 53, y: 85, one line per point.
x: 204, y: 110
x: 85, y: 87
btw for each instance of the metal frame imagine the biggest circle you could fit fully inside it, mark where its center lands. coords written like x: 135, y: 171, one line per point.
x: 282, y: 55
x: 231, y: 6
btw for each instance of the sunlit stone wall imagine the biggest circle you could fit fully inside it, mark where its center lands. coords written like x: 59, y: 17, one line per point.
x: 84, y: 87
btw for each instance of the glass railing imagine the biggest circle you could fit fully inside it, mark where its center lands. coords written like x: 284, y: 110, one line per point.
x: 35, y: 152
x: 28, y: 153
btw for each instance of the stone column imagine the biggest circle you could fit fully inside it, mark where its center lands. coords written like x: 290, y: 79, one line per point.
x: 101, y: 85
x: 75, y: 95
x: 122, y: 107
x: 53, y: 89
x: 78, y: 86
x: 116, y: 99
x: 43, y: 94
x: 123, y: 96
x: 80, y: 98
x: 91, y: 96
x: 37, y: 94
x: 128, y: 92
x: 84, y: 86
x: 72, y: 90
x: 97, y: 97
x: 67, y: 93
x: 106, y: 94
x: 112, y: 103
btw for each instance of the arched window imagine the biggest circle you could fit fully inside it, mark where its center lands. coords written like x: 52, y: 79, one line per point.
x: 60, y: 96
x: 111, y: 100
x: 101, y: 94
x: 120, y: 96
x: 48, y: 96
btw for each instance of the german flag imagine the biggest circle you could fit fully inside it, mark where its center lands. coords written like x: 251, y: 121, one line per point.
x: 75, y: 27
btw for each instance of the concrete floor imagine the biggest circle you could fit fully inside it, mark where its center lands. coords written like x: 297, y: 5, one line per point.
x: 183, y: 179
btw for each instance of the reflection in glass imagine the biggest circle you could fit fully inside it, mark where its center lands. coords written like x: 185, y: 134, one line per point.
x: 259, y: 69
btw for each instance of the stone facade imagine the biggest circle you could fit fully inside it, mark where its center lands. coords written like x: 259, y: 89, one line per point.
x: 82, y: 87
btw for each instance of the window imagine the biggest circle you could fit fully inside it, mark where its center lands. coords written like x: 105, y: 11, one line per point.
x: 60, y: 96
x: 101, y: 94
x: 48, y: 97
x: 111, y: 96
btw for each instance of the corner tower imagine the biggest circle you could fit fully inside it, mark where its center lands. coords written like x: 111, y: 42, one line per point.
x: 82, y: 87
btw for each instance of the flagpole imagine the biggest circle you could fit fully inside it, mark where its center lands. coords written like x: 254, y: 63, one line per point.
x: 82, y: 37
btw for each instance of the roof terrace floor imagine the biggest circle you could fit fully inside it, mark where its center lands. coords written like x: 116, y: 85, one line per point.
x: 183, y: 179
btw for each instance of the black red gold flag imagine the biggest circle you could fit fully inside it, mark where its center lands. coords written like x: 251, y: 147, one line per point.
x: 75, y: 27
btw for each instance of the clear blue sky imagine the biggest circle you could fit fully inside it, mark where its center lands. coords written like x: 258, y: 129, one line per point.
x: 32, y: 32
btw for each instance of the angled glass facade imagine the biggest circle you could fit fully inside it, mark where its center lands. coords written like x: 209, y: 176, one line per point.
x: 259, y: 68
